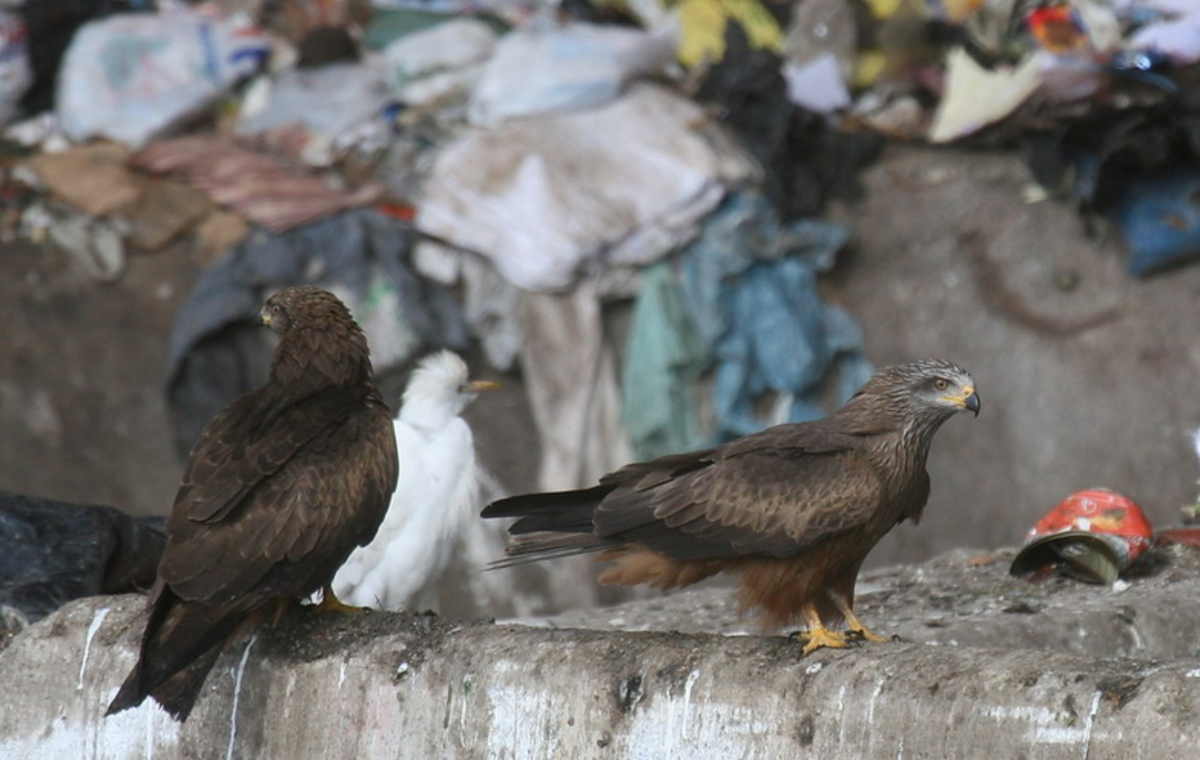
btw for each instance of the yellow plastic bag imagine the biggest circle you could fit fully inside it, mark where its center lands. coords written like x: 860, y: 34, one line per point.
x: 703, y: 24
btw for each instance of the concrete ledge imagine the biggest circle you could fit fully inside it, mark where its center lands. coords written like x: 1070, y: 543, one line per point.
x: 412, y: 686
x: 966, y: 598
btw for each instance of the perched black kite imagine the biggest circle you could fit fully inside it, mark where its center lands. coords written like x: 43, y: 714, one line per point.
x: 794, y: 509
x: 284, y: 483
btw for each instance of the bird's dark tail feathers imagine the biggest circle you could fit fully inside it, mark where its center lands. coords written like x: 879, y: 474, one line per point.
x: 177, y: 694
x: 180, y: 646
x: 563, y: 518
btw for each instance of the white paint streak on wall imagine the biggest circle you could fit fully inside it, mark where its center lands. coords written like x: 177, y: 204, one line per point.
x: 97, y: 621
x: 287, y: 693
x: 464, y: 697
x: 872, y: 701
x: 1138, y: 642
x: 149, y: 738
x: 693, y: 724
x: 139, y: 732
x: 469, y: 725
x: 524, y: 715
x: 148, y: 728
x: 1089, y: 725
x: 687, y: 701
x: 237, y: 693
x: 1045, y: 725
x: 1056, y: 735
x: 841, y: 715
x: 1028, y: 713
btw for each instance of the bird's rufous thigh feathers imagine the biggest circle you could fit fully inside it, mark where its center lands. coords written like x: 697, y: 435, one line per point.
x: 781, y: 587
x: 778, y: 587
x: 637, y: 564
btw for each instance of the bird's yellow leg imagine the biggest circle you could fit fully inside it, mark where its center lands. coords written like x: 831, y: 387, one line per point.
x: 817, y: 635
x: 330, y: 602
x: 852, y: 620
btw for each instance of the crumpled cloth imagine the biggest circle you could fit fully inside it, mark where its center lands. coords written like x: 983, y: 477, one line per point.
x: 490, y: 302
x: 570, y: 374
x: 753, y: 316
x: 664, y: 355
x: 254, y: 184
x: 550, y: 199
x: 217, y: 352
x: 752, y: 286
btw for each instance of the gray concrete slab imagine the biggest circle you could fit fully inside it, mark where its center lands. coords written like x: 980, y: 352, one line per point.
x: 1042, y: 672
x: 966, y: 598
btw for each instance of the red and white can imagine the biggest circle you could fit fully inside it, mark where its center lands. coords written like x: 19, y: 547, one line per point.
x: 1091, y: 535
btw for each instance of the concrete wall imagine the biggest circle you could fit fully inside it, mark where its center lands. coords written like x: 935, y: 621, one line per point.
x: 411, y: 686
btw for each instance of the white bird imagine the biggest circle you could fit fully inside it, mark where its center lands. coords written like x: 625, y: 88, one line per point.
x: 437, y: 493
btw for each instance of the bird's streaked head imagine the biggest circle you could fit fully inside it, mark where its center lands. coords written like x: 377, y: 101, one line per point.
x: 298, y: 304
x: 927, y: 387
x: 320, y: 343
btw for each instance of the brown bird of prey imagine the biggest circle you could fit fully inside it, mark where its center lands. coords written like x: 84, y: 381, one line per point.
x: 283, y: 484
x: 794, y: 510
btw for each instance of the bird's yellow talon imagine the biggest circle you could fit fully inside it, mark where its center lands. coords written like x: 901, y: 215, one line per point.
x: 857, y: 629
x: 330, y: 603
x: 864, y: 634
x: 825, y: 638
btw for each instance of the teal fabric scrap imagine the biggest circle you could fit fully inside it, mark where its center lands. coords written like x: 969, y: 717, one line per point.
x: 751, y: 287
x: 664, y: 355
x: 844, y: 340
x: 775, y: 341
x: 741, y: 301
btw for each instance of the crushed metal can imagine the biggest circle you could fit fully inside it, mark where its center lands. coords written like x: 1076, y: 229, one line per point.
x: 1092, y: 535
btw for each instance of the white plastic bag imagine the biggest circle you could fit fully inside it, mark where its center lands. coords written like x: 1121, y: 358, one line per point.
x: 134, y: 77
x: 564, y: 68
x: 431, y: 65
x: 329, y: 101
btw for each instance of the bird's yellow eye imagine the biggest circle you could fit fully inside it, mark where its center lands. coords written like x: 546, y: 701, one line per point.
x: 274, y: 308
x: 941, y: 384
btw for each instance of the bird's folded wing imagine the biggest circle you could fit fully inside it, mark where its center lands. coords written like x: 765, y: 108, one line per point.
x: 251, y: 439
x: 308, y: 496
x: 770, y: 498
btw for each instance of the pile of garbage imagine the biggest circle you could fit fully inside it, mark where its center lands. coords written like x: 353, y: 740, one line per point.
x: 504, y: 170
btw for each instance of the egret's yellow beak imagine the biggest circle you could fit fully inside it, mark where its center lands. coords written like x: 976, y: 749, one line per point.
x: 476, y: 386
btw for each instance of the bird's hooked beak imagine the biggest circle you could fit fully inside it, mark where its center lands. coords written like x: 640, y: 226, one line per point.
x: 477, y: 386
x: 264, y: 316
x: 967, y: 398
